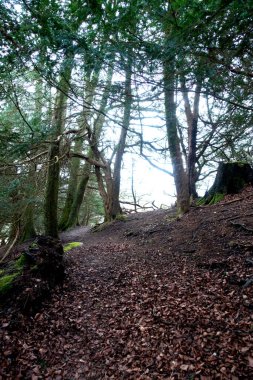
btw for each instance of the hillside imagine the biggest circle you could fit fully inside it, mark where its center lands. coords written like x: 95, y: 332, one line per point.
x: 151, y: 297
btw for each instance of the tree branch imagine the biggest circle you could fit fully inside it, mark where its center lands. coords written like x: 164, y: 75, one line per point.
x: 88, y: 159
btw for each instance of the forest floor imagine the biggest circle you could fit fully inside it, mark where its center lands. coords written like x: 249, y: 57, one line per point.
x: 147, y: 298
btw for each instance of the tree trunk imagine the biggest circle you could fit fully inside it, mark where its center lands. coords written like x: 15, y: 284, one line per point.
x: 78, y: 198
x: 115, y: 208
x: 79, y: 192
x: 27, y: 220
x: 72, y: 186
x: 109, y: 184
x: 105, y: 190
x: 51, y: 201
x: 86, y: 209
x: 230, y: 179
x: 28, y: 229
x: 180, y: 177
x: 105, y: 183
x: 73, y: 192
x: 53, y: 173
x: 192, y: 123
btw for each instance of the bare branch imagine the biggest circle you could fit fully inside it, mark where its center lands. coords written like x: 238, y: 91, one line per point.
x: 156, y: 166
x: 88, y: 159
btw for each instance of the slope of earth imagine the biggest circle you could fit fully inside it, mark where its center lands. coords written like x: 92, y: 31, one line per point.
x: 146, y: 298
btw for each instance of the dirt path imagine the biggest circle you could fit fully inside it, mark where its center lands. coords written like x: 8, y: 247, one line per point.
x: 75, y: 234
x: 147, y: 298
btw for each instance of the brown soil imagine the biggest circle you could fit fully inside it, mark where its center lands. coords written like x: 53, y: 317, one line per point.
x: 146, y: 298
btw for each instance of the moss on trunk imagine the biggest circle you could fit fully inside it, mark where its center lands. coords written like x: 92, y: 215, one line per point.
x: 231, y: 178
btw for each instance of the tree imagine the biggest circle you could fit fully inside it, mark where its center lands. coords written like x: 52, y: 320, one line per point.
x: 53, y: 173
x: 187, y: 64
x: 115, y: 208
x: 76, y: 190
x: 185, y: 52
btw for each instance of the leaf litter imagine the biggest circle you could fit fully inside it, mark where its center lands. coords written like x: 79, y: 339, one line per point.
x: 146, y: 298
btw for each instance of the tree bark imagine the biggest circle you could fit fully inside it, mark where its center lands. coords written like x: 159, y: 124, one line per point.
x: 78, y: 197
x: 52, y: 187
x: 180, y: 177
x: 109, y: 183
x: 192, y: 124
x: 115, y: 208
x: 231, y: 178
x: 53, y: 173
x: 72, y: 185
x: 73, y: 192
x: 28, y: 229
x: 93, y: 156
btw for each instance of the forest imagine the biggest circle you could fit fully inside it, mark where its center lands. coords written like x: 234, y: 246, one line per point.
x: 91, y: 286
x: 84, y: 83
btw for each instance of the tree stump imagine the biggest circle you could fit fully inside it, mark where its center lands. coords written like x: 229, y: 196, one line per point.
x: 30, y: 278
x: 46, y: 253
x: 231, y: 178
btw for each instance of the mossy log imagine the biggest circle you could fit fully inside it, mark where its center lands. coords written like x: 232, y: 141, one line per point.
x: 231, y: 178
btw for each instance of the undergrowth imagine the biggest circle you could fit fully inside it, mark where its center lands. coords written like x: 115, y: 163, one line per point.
x: 6, y: 282
x: 10, y: 273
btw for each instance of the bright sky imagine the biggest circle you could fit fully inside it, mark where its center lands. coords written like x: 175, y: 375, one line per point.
x: 150, y: 184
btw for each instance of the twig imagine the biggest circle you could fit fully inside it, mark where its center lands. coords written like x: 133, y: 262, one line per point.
x: 11, y: 246
x: 236, y: 217
x: 237, y: 200
x: 88, y: 159
x: 248, y: 282
x: 233, y: 201
x: 249, y: 262
x: 236, y: 224
x: 241, y: 216
x: 137, y: 205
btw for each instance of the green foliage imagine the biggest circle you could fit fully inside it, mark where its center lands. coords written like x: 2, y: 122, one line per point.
x: 20, y: 262
x: 6, y: 282
x: 210, y: 39
x: 72, y: 245
x: 34, y: 245
x: 10, y: 273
